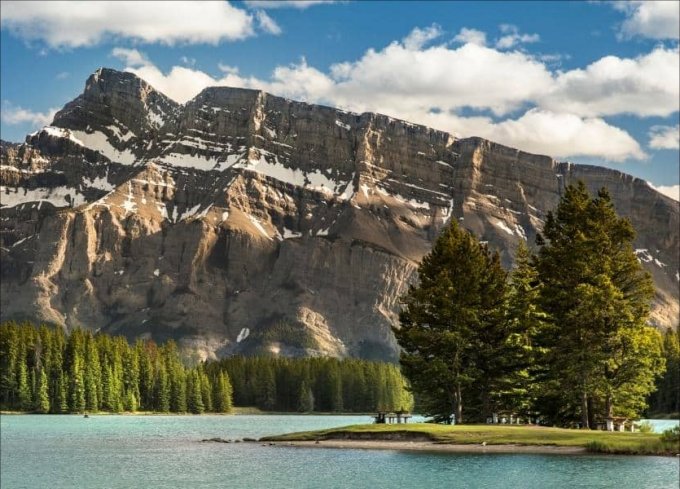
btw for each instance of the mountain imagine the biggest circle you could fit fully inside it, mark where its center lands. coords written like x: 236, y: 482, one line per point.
x: 241, y: 221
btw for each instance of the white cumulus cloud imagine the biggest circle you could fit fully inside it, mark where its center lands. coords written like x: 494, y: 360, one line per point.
x: 512, y: 37
x: 13, y: 115
x: 267, y: 24
x: 418, y: 38
x: 664, y: 137
x: 398, y: 79
x: 563, y: 134
x: 652, y: 19
x: 672, y: 191
x: 53, y: 22
x: 648, y: 85
x: 275, y: 4
x: 472, y: 36
x: 506, y: 96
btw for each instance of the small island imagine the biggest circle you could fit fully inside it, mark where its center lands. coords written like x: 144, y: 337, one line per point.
x: 482, y: 439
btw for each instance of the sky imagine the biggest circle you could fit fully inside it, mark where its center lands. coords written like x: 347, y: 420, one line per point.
x: 588, y: 82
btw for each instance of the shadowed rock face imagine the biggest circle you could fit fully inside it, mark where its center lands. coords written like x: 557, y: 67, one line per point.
x: 242, y: 222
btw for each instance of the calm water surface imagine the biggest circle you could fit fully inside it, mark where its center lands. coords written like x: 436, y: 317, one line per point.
x: 165, y: 452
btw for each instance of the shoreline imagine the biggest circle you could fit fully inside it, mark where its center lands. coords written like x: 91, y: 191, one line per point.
x: 429, y: 446
x: 235, y: 412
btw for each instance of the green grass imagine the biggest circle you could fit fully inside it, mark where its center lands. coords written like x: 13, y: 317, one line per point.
x: 593, y: 441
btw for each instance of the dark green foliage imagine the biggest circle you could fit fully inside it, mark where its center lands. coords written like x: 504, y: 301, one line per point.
x: 86, y: 372
x: 525, y: 359
x: 291, y: 334
x: 43, y: 371
x: 306, y: 399
x: 671, y: 435
x: 223, y: 393
x: 565, y: 339
x: 666, y: 399
x: 313, y: 384
x: 453, y: 330
x: 42, y: 404
x: 603, y: 357
x: 194, y: 393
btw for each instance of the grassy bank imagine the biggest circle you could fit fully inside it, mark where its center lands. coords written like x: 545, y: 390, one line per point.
x: 593, y: 441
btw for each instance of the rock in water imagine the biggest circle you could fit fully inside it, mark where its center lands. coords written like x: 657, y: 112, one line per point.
x: 241, y: 220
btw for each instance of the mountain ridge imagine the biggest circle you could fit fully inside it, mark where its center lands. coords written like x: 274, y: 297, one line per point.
x: 243, y: 211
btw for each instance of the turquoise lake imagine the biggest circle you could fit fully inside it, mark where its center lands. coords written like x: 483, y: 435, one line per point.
x: 112, y: 452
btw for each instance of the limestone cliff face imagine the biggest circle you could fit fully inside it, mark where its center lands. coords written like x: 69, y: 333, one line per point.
x: 242, y: 221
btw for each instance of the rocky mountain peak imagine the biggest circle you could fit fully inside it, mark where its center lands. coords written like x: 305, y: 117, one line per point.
x: 242, y: 221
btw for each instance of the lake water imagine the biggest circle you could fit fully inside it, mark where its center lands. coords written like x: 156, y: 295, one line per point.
x: 155, y: 452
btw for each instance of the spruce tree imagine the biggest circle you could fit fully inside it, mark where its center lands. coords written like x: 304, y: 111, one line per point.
x: 162, y: 390
x: 603, y: 358
x: 453, y: 327
x: 306, y: 398
x: 223, y: 394
x: 194, y: 393
x: 42, y: 404
x: 24, y: 397
x: 527, y: 322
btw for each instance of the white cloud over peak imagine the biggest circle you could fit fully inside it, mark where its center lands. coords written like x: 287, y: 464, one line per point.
x: 187, y: 22
x: 13, y: 115
x: 397, y: 79
x: 648, y: 85
x: 131, y: 57
x: 471, y: 36
x: 564, y: 134
x: 652, y: 19
x: 672, y: 191
x: 507, y: 96
x: 664, y: 137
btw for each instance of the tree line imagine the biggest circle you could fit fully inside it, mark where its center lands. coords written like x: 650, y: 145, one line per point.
x: 563, y: 337
x: 45, y: 371
x: 666, y: 398
x: 315, y: 384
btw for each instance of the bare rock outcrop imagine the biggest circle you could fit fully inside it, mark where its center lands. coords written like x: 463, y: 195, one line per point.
x: 243, y: 222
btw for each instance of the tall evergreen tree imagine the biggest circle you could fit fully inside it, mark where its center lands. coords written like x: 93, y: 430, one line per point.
x: 666, y: 399
x: 453, y: 327
x: 306, y: 398
x: 25, y: 398
x: 598, y: 298
x: 527, y: 322
x: 194, y: 393
x: 42, y: 402
x: 223, y: 393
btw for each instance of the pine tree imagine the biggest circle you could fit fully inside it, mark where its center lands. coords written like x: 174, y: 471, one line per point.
x: 527, y: 323
x: 194, y: 393
x: 42, y: 404
x: 306, y: 398
x: 452, y: 327
x: 598, y: 299
x: 25, y: 400
x: 162, y: 391
x: 62, y: 394
x: 266, y: 389
x: 666, y: 399
x: 9, y: 356
x: 223, y: 394
x: 206, y: 391
x: 130, y: 404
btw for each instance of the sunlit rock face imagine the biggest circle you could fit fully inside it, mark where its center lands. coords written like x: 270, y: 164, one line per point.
x: 242, y: 222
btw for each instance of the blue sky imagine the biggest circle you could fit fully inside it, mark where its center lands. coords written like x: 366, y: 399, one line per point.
x: 589, y: 82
